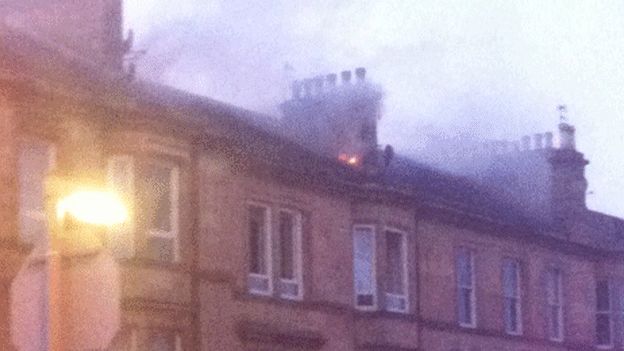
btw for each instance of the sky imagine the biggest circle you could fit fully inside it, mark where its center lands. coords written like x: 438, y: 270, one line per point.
x: 493, y: 69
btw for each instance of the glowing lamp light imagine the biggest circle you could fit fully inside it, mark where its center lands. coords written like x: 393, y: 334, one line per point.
x: 93, y: 207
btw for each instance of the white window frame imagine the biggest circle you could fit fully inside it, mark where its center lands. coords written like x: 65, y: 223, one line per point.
x: 174, y: 193
x: 127, y: 228
x: 297, y: 254
x: 268, y: 251
x: 517, y: 297
x: 608, y: 312
x: 374, y: 305
x: 37, y: 215
x: 404, y: 273
x: 473, y: 287
x: 555, y: 278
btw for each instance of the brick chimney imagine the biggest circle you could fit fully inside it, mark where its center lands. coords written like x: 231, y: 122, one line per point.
x: 569, y: 186
x: 338, y: 120
x: 545, y: 181
x: 90, y: 28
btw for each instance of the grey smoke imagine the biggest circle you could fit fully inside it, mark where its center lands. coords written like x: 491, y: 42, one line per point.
x: 482, y: 69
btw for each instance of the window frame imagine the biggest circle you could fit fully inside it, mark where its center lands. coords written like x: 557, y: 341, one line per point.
x: 297, y: 254
x: 518, y: 296
x: 557, y: 273
x: 608, y: 312
x: 174, y: 215
x: 404, y: 270
x: 268, y: 249
x: 128, y: 228
x: 473, y: 287
x: 374, y: 306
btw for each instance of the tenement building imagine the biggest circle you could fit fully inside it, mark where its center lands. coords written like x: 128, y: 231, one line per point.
x: 309, y: 236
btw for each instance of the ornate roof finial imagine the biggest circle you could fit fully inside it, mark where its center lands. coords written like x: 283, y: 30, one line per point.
x: 562, y: 113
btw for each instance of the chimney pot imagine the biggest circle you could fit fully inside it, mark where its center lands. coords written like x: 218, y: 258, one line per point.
x: 538, y: 141
x: 318, y: 84
x: 497, y: 147
x: 307, y: 87
x: 507, y: 146
x: 566, y: 136
x: 360, y: 73
x: 296, y: 90
x: 526, y: 142
x: 346, y: 77
x: 548, y: 140
x: 331, y: 79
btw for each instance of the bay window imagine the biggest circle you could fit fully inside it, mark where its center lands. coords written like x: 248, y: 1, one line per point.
x: 151, y: 191
x: 159, y: 209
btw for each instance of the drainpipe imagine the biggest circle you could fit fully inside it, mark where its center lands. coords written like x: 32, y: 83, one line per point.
x: 419, y: 318
x: 194, y: 193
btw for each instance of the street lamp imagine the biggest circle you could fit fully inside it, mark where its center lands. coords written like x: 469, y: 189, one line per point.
x: 77, y: 218
x: 96, y: 207
x: 66, y: 294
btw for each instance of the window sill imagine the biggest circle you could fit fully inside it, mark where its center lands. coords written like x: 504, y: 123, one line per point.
x: 150, y: 263
x: 468, y: 326
x: 272, y: 296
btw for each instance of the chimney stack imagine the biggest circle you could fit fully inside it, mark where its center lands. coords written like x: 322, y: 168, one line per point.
x: 346, y: 77
x: 90, y: 29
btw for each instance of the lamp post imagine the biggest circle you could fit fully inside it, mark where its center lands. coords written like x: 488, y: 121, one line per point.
x: 77, y: 216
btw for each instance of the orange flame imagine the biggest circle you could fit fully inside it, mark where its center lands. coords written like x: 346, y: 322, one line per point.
x: 351, y: 160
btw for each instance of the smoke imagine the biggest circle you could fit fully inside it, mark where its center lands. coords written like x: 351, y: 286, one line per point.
x: 484, y: 69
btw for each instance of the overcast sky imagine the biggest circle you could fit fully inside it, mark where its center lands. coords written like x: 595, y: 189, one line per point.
x: 495, y: 69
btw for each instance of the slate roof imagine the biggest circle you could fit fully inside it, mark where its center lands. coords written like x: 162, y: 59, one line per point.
x: 31, y: 58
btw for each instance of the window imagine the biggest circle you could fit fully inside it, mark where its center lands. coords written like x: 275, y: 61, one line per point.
x: 554, y: 297
x: 35, y: 161
x: 290, y: 275
x: 159, y: 210
x: 466, y: 299
x: 603, y: 314
x: 396, y: 272
x: 153, y: 190
x: 511, y: 295
x: 364, y: 267
x: 121, y: 180
x: 259, y: 279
